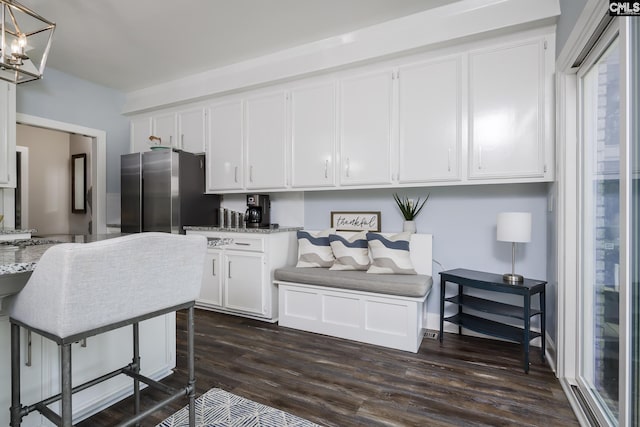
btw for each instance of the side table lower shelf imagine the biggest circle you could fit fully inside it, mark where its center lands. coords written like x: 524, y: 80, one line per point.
x: 489, y: 327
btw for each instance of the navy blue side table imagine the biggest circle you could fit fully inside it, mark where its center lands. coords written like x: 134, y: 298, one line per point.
x: 493, y: 282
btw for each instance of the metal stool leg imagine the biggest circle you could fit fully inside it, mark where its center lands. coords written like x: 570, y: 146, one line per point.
x: 136, y: 368
x: 65, y: 372
x: 191, y: 363
x: 16, y: 417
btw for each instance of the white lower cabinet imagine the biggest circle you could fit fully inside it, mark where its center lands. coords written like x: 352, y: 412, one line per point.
x: 211, y: 292
x: 238, y: 277
x: 243, y: 290
x: 103, y: 353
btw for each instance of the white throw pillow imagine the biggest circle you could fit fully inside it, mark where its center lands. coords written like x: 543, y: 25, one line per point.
x: 390, y: 254
x: 314, y: 249
x: 351, y: 253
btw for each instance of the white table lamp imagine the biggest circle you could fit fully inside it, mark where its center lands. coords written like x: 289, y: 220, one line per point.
x: 514, y: 227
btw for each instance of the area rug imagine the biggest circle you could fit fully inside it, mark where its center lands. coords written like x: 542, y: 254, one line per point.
x: 218, y: 408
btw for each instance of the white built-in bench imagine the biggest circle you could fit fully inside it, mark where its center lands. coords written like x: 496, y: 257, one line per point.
x: 383, y: 309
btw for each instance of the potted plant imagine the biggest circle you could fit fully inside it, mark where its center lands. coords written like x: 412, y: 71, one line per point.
x: 409, y: 210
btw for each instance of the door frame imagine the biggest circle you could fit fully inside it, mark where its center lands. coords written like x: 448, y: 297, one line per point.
x: 98, y: 163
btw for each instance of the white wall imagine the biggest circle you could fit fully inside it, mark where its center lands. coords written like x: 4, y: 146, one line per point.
x: 68, y: 99
x: 49, y: 178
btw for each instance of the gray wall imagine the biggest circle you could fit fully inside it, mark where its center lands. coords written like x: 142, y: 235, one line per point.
x: 462, y: 220
x: 569, y: 12
x: 65, y: 98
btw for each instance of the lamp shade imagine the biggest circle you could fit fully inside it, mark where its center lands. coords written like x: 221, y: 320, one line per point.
x: 514, y: 227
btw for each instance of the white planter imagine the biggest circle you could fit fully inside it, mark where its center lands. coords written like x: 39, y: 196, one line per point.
x: 409, y: 226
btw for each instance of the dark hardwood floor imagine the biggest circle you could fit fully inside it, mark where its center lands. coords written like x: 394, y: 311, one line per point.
x: 334, y: 382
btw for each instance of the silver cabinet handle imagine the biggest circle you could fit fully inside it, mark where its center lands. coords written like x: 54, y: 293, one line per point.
x: 235, y: 174
x: 348, y: 167
x: 449, y: 160
x: 213, y: 266
x: 251, y: 173
x: 170, y: 140
x: 27, y: 362
x: 326, y: 169
x: 480, y: 157
x: 83, y: 343
x: 242, y: 244
x: 182, y: 140
x: 229, y: 270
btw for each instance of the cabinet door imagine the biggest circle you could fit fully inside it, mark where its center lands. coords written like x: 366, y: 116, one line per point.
x: 430, y: 119
x: 365, y: 129
x: 244, y: 284
x: 192, y: 135
x: 211, y: 291
x: 265, y: 135
x: 224, y: 150
x: 313, y: 120
x: 7, y: 135
x: 164, y: 127
x: 140, y: 132
x: 506, y: 111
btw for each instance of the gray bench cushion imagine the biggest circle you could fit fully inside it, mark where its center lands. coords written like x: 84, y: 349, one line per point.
x: 390, y: 284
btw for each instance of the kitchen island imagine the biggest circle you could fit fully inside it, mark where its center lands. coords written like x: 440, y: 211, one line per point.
x: 98, y: 355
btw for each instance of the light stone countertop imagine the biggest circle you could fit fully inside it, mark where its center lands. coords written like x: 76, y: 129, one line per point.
x: 22, y: 258
x: 280, y: 229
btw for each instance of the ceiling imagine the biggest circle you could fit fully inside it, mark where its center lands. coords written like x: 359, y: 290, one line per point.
x: 133, y: 44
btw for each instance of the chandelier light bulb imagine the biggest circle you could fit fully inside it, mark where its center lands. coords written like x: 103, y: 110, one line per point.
x: 15, y: 47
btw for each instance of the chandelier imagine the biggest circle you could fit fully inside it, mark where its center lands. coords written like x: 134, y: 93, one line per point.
x: 25, y: 42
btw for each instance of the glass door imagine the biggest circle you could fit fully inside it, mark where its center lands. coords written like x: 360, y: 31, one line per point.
x: 634, y: 90
x: 600, y: 227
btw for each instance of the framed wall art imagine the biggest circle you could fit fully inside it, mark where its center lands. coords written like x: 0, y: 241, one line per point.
x: 355, y: 221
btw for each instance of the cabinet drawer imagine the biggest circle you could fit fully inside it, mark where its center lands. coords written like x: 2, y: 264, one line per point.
x: 247, y: 244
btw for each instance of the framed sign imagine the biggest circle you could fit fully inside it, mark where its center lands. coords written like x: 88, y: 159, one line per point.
x: 355, y: 221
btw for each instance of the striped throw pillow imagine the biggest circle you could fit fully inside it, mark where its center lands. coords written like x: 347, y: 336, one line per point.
x: 390, y: 254
x: 351, y: 253
x: 314, y: 249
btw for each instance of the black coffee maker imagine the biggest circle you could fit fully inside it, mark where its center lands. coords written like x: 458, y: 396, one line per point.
x: 257, y: 215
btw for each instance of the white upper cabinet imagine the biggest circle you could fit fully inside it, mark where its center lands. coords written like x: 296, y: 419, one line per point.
x: 224, y: 150
x: 266, y: 141
x: 192, y: 135
x: 140, y: 132
x: 430, y: 121
x: 506, y: 111
x: 365, y: 129
x: 313, y: 135
x: 7, y: 134
x: 164, y: 127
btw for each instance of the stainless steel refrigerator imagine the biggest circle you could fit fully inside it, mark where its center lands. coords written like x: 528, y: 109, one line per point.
x: 163, y: 190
